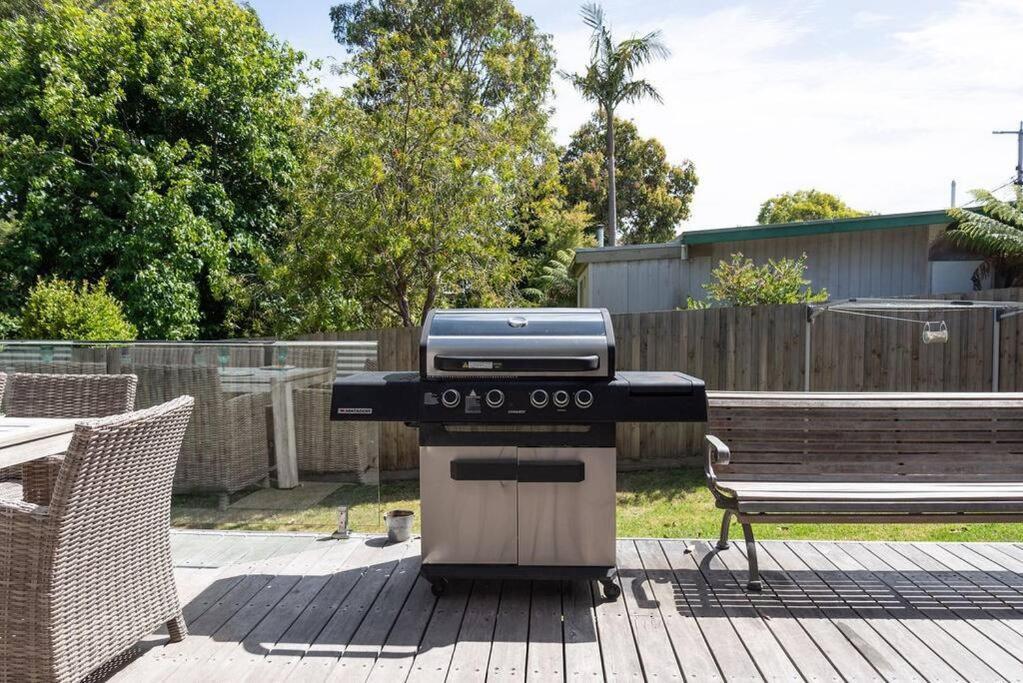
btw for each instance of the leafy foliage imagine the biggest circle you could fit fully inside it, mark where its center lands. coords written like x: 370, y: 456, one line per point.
x: 409, y: 199
x: 653, y: 195
x: 10, y: 326
x: 9, y: 9
x: 996, y: 233
x: 148, y: 142
x: 503, y: 59
x: 740, y: 282
x: 609, y: 80
x: 553, y: 284
x: 57, y: 309
x: 432, y: 179
x: 804, y: 205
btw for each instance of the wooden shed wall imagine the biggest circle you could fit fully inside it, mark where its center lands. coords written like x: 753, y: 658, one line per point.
x: 849, y: 264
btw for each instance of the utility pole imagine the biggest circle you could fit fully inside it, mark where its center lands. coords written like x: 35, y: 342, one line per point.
x: 1019, y: 153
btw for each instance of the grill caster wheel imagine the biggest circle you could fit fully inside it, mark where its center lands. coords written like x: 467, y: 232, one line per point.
x: 611, y: 589
x: 438, y: 587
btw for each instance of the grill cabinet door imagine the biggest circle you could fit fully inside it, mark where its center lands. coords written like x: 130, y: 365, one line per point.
x: 470, y: 520
x: 567, y: 522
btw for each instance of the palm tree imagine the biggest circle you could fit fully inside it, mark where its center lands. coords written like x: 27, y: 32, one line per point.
x: 994, y: 232
x: 608, y: 81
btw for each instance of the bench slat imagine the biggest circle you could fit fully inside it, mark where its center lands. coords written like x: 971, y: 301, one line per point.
x: 875, y: 490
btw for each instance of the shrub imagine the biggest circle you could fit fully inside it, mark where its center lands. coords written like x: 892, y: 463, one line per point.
x: 741, y: 282
x: 57, y: 309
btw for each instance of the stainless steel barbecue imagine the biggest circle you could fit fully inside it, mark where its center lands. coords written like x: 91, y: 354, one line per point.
x: 517, y: 411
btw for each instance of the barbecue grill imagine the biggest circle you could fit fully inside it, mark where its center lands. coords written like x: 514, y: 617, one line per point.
x: 517, y: 411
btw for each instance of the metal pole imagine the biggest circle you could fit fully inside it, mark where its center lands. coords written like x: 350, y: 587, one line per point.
x: 1019, y: 148
x: 806, y: 352
x: 996, y: 342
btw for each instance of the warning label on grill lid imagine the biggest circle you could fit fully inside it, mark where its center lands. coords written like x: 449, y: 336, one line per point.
x: 478, y: 364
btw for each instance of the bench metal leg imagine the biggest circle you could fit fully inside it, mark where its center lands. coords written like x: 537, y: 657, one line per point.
x: 726, y: 521
x: 751, y: 556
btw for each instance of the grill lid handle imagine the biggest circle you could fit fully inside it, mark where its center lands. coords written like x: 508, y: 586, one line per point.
x: 516, y: 363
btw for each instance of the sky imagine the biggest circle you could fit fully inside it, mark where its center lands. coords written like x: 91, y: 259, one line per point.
x: 882, y: 103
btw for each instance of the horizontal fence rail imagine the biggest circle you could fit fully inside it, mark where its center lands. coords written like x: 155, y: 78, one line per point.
x: 763, y: 348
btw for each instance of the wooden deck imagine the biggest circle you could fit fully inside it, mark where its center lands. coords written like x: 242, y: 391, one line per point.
x: 270, y: 607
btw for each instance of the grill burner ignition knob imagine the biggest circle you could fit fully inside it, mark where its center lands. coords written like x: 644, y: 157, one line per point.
x: 560, y: 398
x: 538, y: 398
x: 450, y: 398
x: 584, y: 398
x: 495, y: 398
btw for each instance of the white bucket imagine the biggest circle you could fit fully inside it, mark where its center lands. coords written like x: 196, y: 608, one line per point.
x: 399, y: 525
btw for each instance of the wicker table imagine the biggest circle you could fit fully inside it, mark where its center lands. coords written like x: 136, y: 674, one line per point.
x: 279, y: 383
x: 28, y: 438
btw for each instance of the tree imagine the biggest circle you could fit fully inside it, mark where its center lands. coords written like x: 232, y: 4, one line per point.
x: 653, y: 195
x: 10, y: 9
x: 503, y: 60
x: 740, y: 282
x: 148, y: 142
x: 58, y: 309
x: 804, y: 205
x: 408, y: 200
x: 553, y: 284
x: 994, y: 232
x: 608, y: 81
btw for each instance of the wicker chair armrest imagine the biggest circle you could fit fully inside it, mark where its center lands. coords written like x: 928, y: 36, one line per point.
x: 39, y: 477
x: 245, y: 402
x: 20, y: 512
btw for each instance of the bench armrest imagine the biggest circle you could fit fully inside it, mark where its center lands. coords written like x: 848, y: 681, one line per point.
x: 717, y: 451
x: 717, y: 454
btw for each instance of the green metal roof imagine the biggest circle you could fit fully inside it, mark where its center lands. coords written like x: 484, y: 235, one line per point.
x: 802, y: 228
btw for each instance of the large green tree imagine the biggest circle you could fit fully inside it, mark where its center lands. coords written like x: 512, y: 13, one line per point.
x: 805, y: 205
x: 653, y: 194
x: 609, y: 80
x: 491, y: 76
x: 149, y: 142
x: 995, y: 232
x: 407, y: 204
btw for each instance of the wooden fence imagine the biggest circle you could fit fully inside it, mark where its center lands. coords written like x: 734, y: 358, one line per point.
x: 762, y: 348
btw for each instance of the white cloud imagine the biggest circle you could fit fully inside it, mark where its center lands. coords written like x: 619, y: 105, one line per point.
x: 865, y: 18
x: 761, y: 110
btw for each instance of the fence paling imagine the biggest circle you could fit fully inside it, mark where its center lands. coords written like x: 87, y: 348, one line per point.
x: 763, y: 349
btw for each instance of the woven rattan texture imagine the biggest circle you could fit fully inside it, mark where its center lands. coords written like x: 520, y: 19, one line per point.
x: 86, y: 577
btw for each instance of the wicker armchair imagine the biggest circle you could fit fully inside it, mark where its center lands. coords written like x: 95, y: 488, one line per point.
x: 76, y: 396
x: 226, y: 447
x: 325, y: 446
x: 85, y: 578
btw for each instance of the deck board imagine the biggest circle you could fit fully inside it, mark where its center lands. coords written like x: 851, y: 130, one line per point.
x: 784, y: 623
x: 271, y: 607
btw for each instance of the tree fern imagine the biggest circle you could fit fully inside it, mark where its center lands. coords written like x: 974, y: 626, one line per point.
x: 995, y: 232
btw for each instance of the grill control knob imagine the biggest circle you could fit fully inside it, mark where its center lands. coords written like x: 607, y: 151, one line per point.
x: 450, y: 398
x: 560, y: 398
x: 538, y: 398
x: 584, y: 398
x: 495, y: 398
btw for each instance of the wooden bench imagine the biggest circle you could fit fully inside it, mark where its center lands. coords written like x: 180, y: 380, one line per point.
x: 882, y: 457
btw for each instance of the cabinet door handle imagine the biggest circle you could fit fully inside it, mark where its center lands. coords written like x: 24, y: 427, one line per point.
x: 484, y: 470
x: 552, y: 471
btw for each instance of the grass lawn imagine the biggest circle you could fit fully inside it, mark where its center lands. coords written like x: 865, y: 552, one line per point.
x: 656, y: 503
